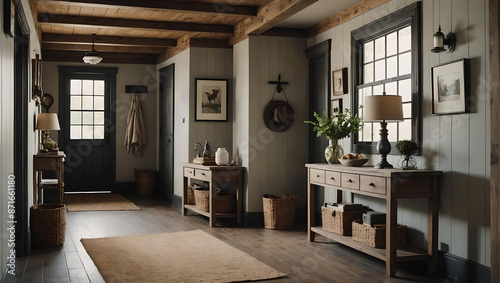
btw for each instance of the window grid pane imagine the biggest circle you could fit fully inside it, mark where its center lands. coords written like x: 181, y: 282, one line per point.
x: 388, y: 57
x: 86, y: 99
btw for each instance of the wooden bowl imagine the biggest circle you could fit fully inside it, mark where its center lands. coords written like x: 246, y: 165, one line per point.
x: 353, y: 162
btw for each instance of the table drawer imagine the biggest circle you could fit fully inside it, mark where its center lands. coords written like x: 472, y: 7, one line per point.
x: 317, y: 176
x: 350, y: 181
x: 202, y: 175
x: 188, y: 172
x: 332, y: 178
x: 373, y: 184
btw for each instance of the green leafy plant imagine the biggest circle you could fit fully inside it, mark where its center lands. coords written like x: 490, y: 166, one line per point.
x: 341, y: 126
x: 406, y: 147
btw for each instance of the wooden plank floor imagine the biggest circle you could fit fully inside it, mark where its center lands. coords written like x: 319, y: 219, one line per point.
x: 287, y: 251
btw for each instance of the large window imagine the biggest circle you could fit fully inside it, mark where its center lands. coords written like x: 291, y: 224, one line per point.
x: 386, y: 59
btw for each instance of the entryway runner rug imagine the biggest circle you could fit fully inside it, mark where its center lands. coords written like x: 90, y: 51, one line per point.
x: 103, y: 202
x: 191, y: 256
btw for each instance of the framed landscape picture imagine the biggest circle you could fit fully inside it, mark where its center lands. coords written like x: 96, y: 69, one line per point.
x: 449, y: 88
x: 210, y: 100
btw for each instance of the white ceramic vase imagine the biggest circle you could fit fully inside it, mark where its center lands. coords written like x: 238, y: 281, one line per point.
x: 221, y: 156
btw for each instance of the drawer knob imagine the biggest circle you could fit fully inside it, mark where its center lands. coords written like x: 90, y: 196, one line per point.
x: 317, y: 176
x: 349, y: 181
x: 332, y: 178
x: 202, y: 174
x: 371, y: 185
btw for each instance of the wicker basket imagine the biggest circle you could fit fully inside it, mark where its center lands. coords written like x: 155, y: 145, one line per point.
x: 48, y: 224
x: 279, y: 212
x: 190, y: 193
x: 340, y: 222
x: 145, y: 181
x: 375, y: 236
x: 201, y: 199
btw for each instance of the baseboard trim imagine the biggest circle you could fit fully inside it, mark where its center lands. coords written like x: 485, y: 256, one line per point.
x: 253, y: 219
x: 177, y: 201
x: 463, y: 270
x: 6, y: 277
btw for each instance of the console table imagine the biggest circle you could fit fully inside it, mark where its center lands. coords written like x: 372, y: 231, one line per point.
x: 48, y: 162
x: 388, y: 184
x: 213, y: 175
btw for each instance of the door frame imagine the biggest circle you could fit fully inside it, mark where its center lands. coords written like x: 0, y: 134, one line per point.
x: 172, y: 116
x: 84, y: 70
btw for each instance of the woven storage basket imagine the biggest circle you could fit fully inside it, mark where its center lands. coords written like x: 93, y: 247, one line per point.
x: 375, y: 236
x: 201, y: 199
x: 48, y: 225
x: 190, y: 193
x: 340, y: 222
x: 224, y: 203
x: 279, y: 212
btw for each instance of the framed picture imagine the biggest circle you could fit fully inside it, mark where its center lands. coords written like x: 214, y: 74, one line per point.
x: 449, y: 88
x: 210, y: 100
x: 340, y: 81
x: 9, y: 17
x: 335, y: 107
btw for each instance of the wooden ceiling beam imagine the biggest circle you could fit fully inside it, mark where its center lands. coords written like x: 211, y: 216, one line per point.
x: 101, y: 49
x: 267, y: 17
x: 288, y: 32
x: 348, y: 14
x: 168, y: 6
x: 75, y: 56
x: 186, y: 42
x: 107, y: 40
x: 74, y: 21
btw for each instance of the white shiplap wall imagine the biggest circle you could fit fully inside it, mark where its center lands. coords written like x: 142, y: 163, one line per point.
x: 275, y: 161
x: 456, y: 144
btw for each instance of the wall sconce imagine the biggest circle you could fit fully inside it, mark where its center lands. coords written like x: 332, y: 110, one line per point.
x: 440, y: 41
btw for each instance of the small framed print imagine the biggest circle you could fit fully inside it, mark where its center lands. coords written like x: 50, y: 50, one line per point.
x: 449, y: 88
x: 335, y: 107
x: 340, y: 81
x: 210, y: 100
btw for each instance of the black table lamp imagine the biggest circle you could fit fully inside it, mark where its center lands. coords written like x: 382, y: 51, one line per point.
x: 384, y: 109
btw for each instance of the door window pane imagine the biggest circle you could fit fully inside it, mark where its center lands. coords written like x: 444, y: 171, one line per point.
x: 88, y: 102
x: 88, y: 132
x: 75, y: 103
x: 88, y: 118
x: 99, y: 102
x: 99, y: 118
x: 75, y: 132
x: 99, y: 132
x: 88, y: 87
x: 98, y: 87
x: 76, y: 117
x: 75, y: 87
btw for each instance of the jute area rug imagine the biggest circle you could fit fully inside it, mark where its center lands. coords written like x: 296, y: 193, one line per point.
x: 103, y: 202
x: 191, y: 256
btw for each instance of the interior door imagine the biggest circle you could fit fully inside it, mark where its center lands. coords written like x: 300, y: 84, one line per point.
x: 319, y: 95
x: 167, y: 130
x: 87, y: 131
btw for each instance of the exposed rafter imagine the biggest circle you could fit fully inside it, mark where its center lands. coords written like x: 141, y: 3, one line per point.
x: 346, y: 15
x: 88, y: 47
x: 171, y: 6
x: 83, y: 21
x: 107, y: 40
x: 267, y: 17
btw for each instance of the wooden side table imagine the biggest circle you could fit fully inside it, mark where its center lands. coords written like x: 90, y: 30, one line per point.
x: 212, y: 175
x: 48, y: 162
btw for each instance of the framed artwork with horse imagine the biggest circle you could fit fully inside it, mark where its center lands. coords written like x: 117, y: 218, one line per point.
x: 211, y: 100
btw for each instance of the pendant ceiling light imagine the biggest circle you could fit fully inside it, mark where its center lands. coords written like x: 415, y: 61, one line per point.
x: 93, y: 57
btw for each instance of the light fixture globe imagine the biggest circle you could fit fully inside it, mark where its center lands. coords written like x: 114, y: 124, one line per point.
x: 93, y: 57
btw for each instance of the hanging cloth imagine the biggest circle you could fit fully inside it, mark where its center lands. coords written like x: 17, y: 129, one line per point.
x: 135, y: 136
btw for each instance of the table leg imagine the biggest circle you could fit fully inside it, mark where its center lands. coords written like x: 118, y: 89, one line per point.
x: 392, y: 217
x: 184, y: 195
x: 432, y: 241
x: 211, y: 208
x: 239, y: 197
x: 310, y: 211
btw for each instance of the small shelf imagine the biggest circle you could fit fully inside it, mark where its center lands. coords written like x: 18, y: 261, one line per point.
x: 404, y: 253
x: 204, y: 213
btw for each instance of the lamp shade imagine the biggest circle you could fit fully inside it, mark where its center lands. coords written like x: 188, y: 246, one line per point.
x: 383, y: 108
x: 47, y: 121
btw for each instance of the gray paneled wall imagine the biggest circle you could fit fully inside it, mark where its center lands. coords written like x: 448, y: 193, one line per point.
x: 456, y: 144
x: 275, y: 161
